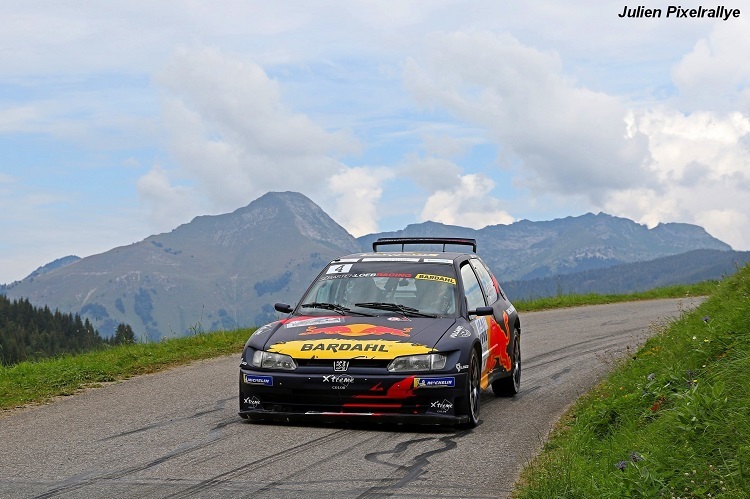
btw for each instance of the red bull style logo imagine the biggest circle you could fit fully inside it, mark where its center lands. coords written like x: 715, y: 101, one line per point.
x: 357, y: 330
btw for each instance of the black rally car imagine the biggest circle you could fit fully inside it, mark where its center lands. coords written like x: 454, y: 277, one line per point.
x: 404, y: 336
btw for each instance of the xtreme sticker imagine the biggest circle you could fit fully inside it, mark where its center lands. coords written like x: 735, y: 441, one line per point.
x: 442, y: 406
x: 339, y: 381
x: 439, y: 278
x: 252, y: 402
x: 347, y: 349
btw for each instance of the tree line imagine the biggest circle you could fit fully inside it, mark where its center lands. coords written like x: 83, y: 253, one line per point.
x: 31, y: 333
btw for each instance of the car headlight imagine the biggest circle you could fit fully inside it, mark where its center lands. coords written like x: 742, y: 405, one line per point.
x: 269, y: 360
x: 427, y: 362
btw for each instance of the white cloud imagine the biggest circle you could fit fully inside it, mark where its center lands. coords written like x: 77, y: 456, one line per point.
x: 357, y: 192
x: 169, y: 205
x: 715, y: 75
x: 467, y: 204
x: 566, y: 139
x: 700, y: 174
x: 233, y: 138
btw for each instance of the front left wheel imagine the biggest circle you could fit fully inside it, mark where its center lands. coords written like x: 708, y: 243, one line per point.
x: 510, y: 385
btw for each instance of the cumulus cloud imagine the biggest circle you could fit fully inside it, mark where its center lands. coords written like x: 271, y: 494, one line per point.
x: 711, y: 76
x: 467, y: 203
x: 566, y: 139
x: 166, y: 202
x: 699, y: 174
x: 357, y: 192
x: 234, y: 139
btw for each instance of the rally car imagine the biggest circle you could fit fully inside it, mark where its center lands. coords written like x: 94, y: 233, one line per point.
x: 403, y: 336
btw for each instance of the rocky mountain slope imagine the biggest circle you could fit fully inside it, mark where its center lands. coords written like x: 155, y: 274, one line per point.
x: 528, y: 250
x: 215, y: 272
x: 226, y: 271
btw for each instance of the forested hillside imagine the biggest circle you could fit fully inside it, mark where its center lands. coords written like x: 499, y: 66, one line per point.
x: 30, y: 333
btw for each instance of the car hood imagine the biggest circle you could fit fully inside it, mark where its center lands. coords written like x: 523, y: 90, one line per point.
x: 339, y: 337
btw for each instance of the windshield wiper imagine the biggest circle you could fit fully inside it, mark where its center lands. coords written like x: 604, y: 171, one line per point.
x: 395, y: 307
x: 333, y: 306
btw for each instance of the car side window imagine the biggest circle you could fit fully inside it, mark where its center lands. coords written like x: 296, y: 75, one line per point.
x: 486, y: 280
x: 474, y: 296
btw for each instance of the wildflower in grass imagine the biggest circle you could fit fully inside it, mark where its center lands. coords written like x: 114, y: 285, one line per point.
x: 706, y: 318
x: 651, y: 376
x: 635, y: 457
x: 621, y: 465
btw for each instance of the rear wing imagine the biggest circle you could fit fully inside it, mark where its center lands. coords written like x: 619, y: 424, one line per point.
x: 403, y: 241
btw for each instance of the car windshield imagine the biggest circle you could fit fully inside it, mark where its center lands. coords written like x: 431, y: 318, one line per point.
x: 385, y: 288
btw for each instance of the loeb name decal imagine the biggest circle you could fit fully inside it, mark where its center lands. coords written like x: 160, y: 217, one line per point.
x: 347, y: 349
x: 435, y: 382
x: 252, y: 379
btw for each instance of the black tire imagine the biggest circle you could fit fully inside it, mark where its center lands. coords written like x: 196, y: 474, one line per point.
x: 509, y: 386
x: 473, y: 393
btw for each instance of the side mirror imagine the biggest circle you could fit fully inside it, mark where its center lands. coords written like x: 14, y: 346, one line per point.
x: 286, y: 309
x: 481, y: 311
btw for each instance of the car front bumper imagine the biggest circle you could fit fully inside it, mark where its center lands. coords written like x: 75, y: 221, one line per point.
x: 318, y: 396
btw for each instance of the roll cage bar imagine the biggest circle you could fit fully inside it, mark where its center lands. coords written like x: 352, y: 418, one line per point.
x: 403, y: 241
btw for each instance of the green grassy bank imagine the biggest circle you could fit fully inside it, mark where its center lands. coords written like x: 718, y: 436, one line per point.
x: 30, y: 382
x: 674, y: 421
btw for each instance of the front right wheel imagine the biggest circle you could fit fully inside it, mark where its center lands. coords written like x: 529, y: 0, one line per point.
x: 470, y: 405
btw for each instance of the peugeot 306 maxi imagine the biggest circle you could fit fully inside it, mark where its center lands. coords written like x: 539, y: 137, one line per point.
x: 400, y: 336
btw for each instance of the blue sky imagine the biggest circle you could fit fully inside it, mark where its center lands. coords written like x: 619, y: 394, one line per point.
x: 119, y: 120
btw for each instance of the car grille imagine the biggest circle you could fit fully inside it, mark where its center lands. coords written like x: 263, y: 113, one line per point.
x: 328, y: 363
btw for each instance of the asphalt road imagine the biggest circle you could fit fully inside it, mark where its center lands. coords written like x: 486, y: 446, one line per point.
x: 177, y: 433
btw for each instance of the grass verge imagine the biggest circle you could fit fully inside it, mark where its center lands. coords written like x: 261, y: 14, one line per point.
x: 672, y: 422
x: 29, y: 382
x: 562, y: 301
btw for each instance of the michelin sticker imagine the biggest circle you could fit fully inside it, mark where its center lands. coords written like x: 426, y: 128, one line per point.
x: 252, y: 379
x: 435, y: 382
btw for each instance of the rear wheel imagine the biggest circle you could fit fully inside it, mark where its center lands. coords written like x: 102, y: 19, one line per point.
x: 509, y: 386
x: 473, y: 391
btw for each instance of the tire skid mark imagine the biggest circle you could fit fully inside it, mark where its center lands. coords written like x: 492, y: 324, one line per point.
x: 214, y: 436
x: 219, y: 406
x: 411, y: 471
x: 258, y: 463
x: 272, y: 486
x: 69, y: 485
x: 593, y: 345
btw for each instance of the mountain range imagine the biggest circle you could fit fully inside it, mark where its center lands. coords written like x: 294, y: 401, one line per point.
x: 227, y: 271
